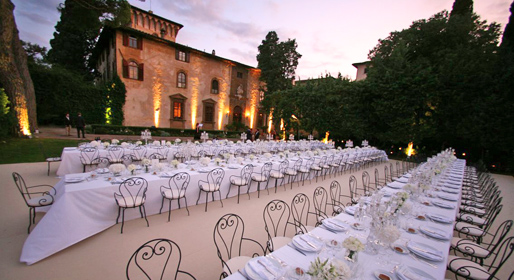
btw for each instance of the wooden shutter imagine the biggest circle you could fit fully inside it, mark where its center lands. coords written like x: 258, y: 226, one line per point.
x: 125, y: 39
x: 140, y: 71
x: 187, y: 56
x: 125, y: 68
x: 176, y: 53
x: 140, y: 43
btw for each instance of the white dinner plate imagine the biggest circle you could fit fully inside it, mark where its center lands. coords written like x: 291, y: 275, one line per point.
x: 102, y: 170
x: 262, y: 268
x: 434, y: 232
x: 447, y: 197
x: 350, y: 210
x: 74, y: 179
x: 307, y: 243
x: 232, y: 166
x: 167, y: 174
x: 204, y: 170
x: 439, y: 218
x: 450, y: 190
x: 335, y: 224
x: 425, y: 251
x: 443, y: 204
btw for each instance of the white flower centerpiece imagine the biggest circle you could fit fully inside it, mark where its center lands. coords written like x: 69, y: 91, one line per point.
x: 94, y: 144
x: 352, y: 246
x: 106, y: 144
x: 117, y: 168
x: 131, y: 168
x: 217, y: 161
x: 168, y: 144
x: 281, y: 155
x: 177, y: 141
x: 389, y: 234
x: 240, y: 160
x: 252, y: 157
x: 156, y: 143
x: 124, y: 145
x: 115, y: 141
x: 146, y: 162
x: 175, y: 163
x: 139, y: 143
x: 267, y: 155
x: 329, y: 270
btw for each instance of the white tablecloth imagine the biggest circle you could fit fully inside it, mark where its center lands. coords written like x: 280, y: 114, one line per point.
x: 367, y: 263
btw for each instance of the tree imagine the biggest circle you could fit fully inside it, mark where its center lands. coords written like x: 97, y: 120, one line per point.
x: 77, y: 31
x: 14, y: 74
x: 462, y: 7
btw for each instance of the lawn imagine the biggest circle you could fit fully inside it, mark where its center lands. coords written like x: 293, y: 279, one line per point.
x: 16, y: 150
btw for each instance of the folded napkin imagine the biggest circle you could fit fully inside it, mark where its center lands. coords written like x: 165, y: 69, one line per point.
x: 425, y: 251
x: 306, y: 243
x: 350, y: 210
x: 434, y: 232
x: 404, y: 273
x: 264, y: 268
x: 447, y: 197
x: 335, y: 224
x: 440, y: 218
x: 403, y: 180
x: 396, y: 185
x: 450, y: 190
x: 443, y: 204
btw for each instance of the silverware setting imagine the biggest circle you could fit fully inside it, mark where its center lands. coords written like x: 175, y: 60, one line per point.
x: 422, y: 261
x: 296, y: 249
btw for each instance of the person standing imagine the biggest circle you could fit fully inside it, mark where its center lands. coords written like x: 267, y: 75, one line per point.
x: 257, y: 134
x: 197, y: 132
x: 67, y: 124
x: 81, y: 124
x: 248, y: 134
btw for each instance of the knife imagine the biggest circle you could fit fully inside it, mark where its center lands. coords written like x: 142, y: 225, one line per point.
x: 309, y: 243
x: 296, y: 249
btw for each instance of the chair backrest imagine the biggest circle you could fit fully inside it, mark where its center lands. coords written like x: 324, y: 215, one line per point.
x: 276, y: 216
x: 330, y: 159
x: 398, y: 169
x: 377, y: 178
x: 101, y: 162
x: 353, y: 189
x: 115, y: 153
x: 266, y: 169
x: 215, y: 177
x: 501, y: 256
x: 228, y: 237
x: 246, y: 173
x: 387, y: 174
x: 320, y: 199
x: 22, y: 187
x: 391, y: 171
x: 308, y: 163
x: 132, y: 191
x: 156, y: 156
x: 180, y: 182
x: 365, y: 182
x: 283, y: 166
x: 498, y: 236
x: 335, y: 197
x: 156, y: 259
x: 139, y: 152
x: 87, y: 155
x: 323, y: 161
x: 297, y: 164
x: 300, y: 208
x: 163, y: 151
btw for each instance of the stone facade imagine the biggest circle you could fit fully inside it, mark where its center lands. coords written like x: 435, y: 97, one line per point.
x: 172, y: 85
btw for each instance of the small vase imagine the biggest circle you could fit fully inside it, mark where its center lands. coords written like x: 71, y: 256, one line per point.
x: 146, y: 168
x: 133, y: 172
x: 117, y: 174
x: 351, y: 256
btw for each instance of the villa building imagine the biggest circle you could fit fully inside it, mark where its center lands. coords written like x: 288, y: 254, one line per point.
x: 362, y: 70
x: 172, y: 85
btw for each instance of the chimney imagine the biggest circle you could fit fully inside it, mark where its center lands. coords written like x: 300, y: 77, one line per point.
x: 213, y: 52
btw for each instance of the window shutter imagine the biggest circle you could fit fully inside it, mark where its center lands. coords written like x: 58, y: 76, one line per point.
x: 125, y: 68
x: 140, y: 43
x: 187, y: 56
x: 140, y: 71
x: 176, y: 54
x: 125, y: 39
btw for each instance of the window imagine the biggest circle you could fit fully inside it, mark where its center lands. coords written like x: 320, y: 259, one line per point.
x: 178, y: 113
x: 182, y: 55
x: 132, y: 42
x: 366, y: 70
x: 237, y: 116
x: 215, y: 86
x: 209, y: 113
x: 181, y: 80
x: 240, y: 75
x: 133, y: 70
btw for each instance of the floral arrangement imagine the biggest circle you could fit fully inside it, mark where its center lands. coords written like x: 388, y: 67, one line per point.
x: 239, y: 160
x: 353, y: 244
x: 217, y: 161
x: 131, y: 168
x: 409, y: 188
x: 106, y: 144
x: 145, y: 161
x: 267, y: 155
x: 238, y: 142
x: 156, y: 143
x: 197, y: 143
x: 115, y: 141
x: 124, y: 145
x: 339, y: 148
x: 252, y: 157
x: 333, y: 270
x: 94, y: 144
x: 138, y: 143
x: 158, y: 166
x: 226, y: 156
x: 175, y: 163
x: 310, y: 153
x: 400, y: 198
x: 178, y: 140
x: 389, y: 234
x: 248, y: 141
x: 209, y: 142
x: 316, y: 153
x: 424, y: 187
x: 281, y: 155
x: 168, y: 144
x: 298, y: 153
x: 205, y: 161
x: 117, y: 168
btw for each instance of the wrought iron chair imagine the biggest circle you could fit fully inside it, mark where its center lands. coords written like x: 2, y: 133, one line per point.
x: 276, y: 217
x: 306, y: 170
x: 115, y: 154
x: 280, y: 173
x: 293, y: 172
x: 316, y: 168
x: 378, y: 182
x: 229, y: 239
x: 387, y: 175
x: 335, y: 197
x: 138, y: 153
x: 156, y: 259
x: 300, y: 207
x: 326, y: 166
x: 468, y: 269
x: 132, y: 194
x: 320, y: 199
x: 47, y: 158
x: 87, y: 157
x: 158, y: 156
x: 243, y: 180
x: 180, y: 156
x: 163, y: 152
x: 176, y: 190
x: 353, y: 190
x: 475, y: 232
x: 480, y: 252
x: 262, y: 177
x: 366, y: 184
x: 34, y: 196
x: 212, y: 185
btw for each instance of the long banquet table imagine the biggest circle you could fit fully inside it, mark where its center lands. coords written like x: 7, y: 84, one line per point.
x: 369, y: 264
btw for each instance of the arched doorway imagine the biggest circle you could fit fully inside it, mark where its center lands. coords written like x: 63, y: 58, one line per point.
x: 237, y: 115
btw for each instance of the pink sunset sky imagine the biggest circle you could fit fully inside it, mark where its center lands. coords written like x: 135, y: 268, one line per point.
x: 331, y: 34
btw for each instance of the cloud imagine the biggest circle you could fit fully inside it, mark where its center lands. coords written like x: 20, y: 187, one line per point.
x: 36, y: 18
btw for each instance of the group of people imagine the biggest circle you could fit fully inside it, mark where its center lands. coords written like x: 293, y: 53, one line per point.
x: 80, y: 123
